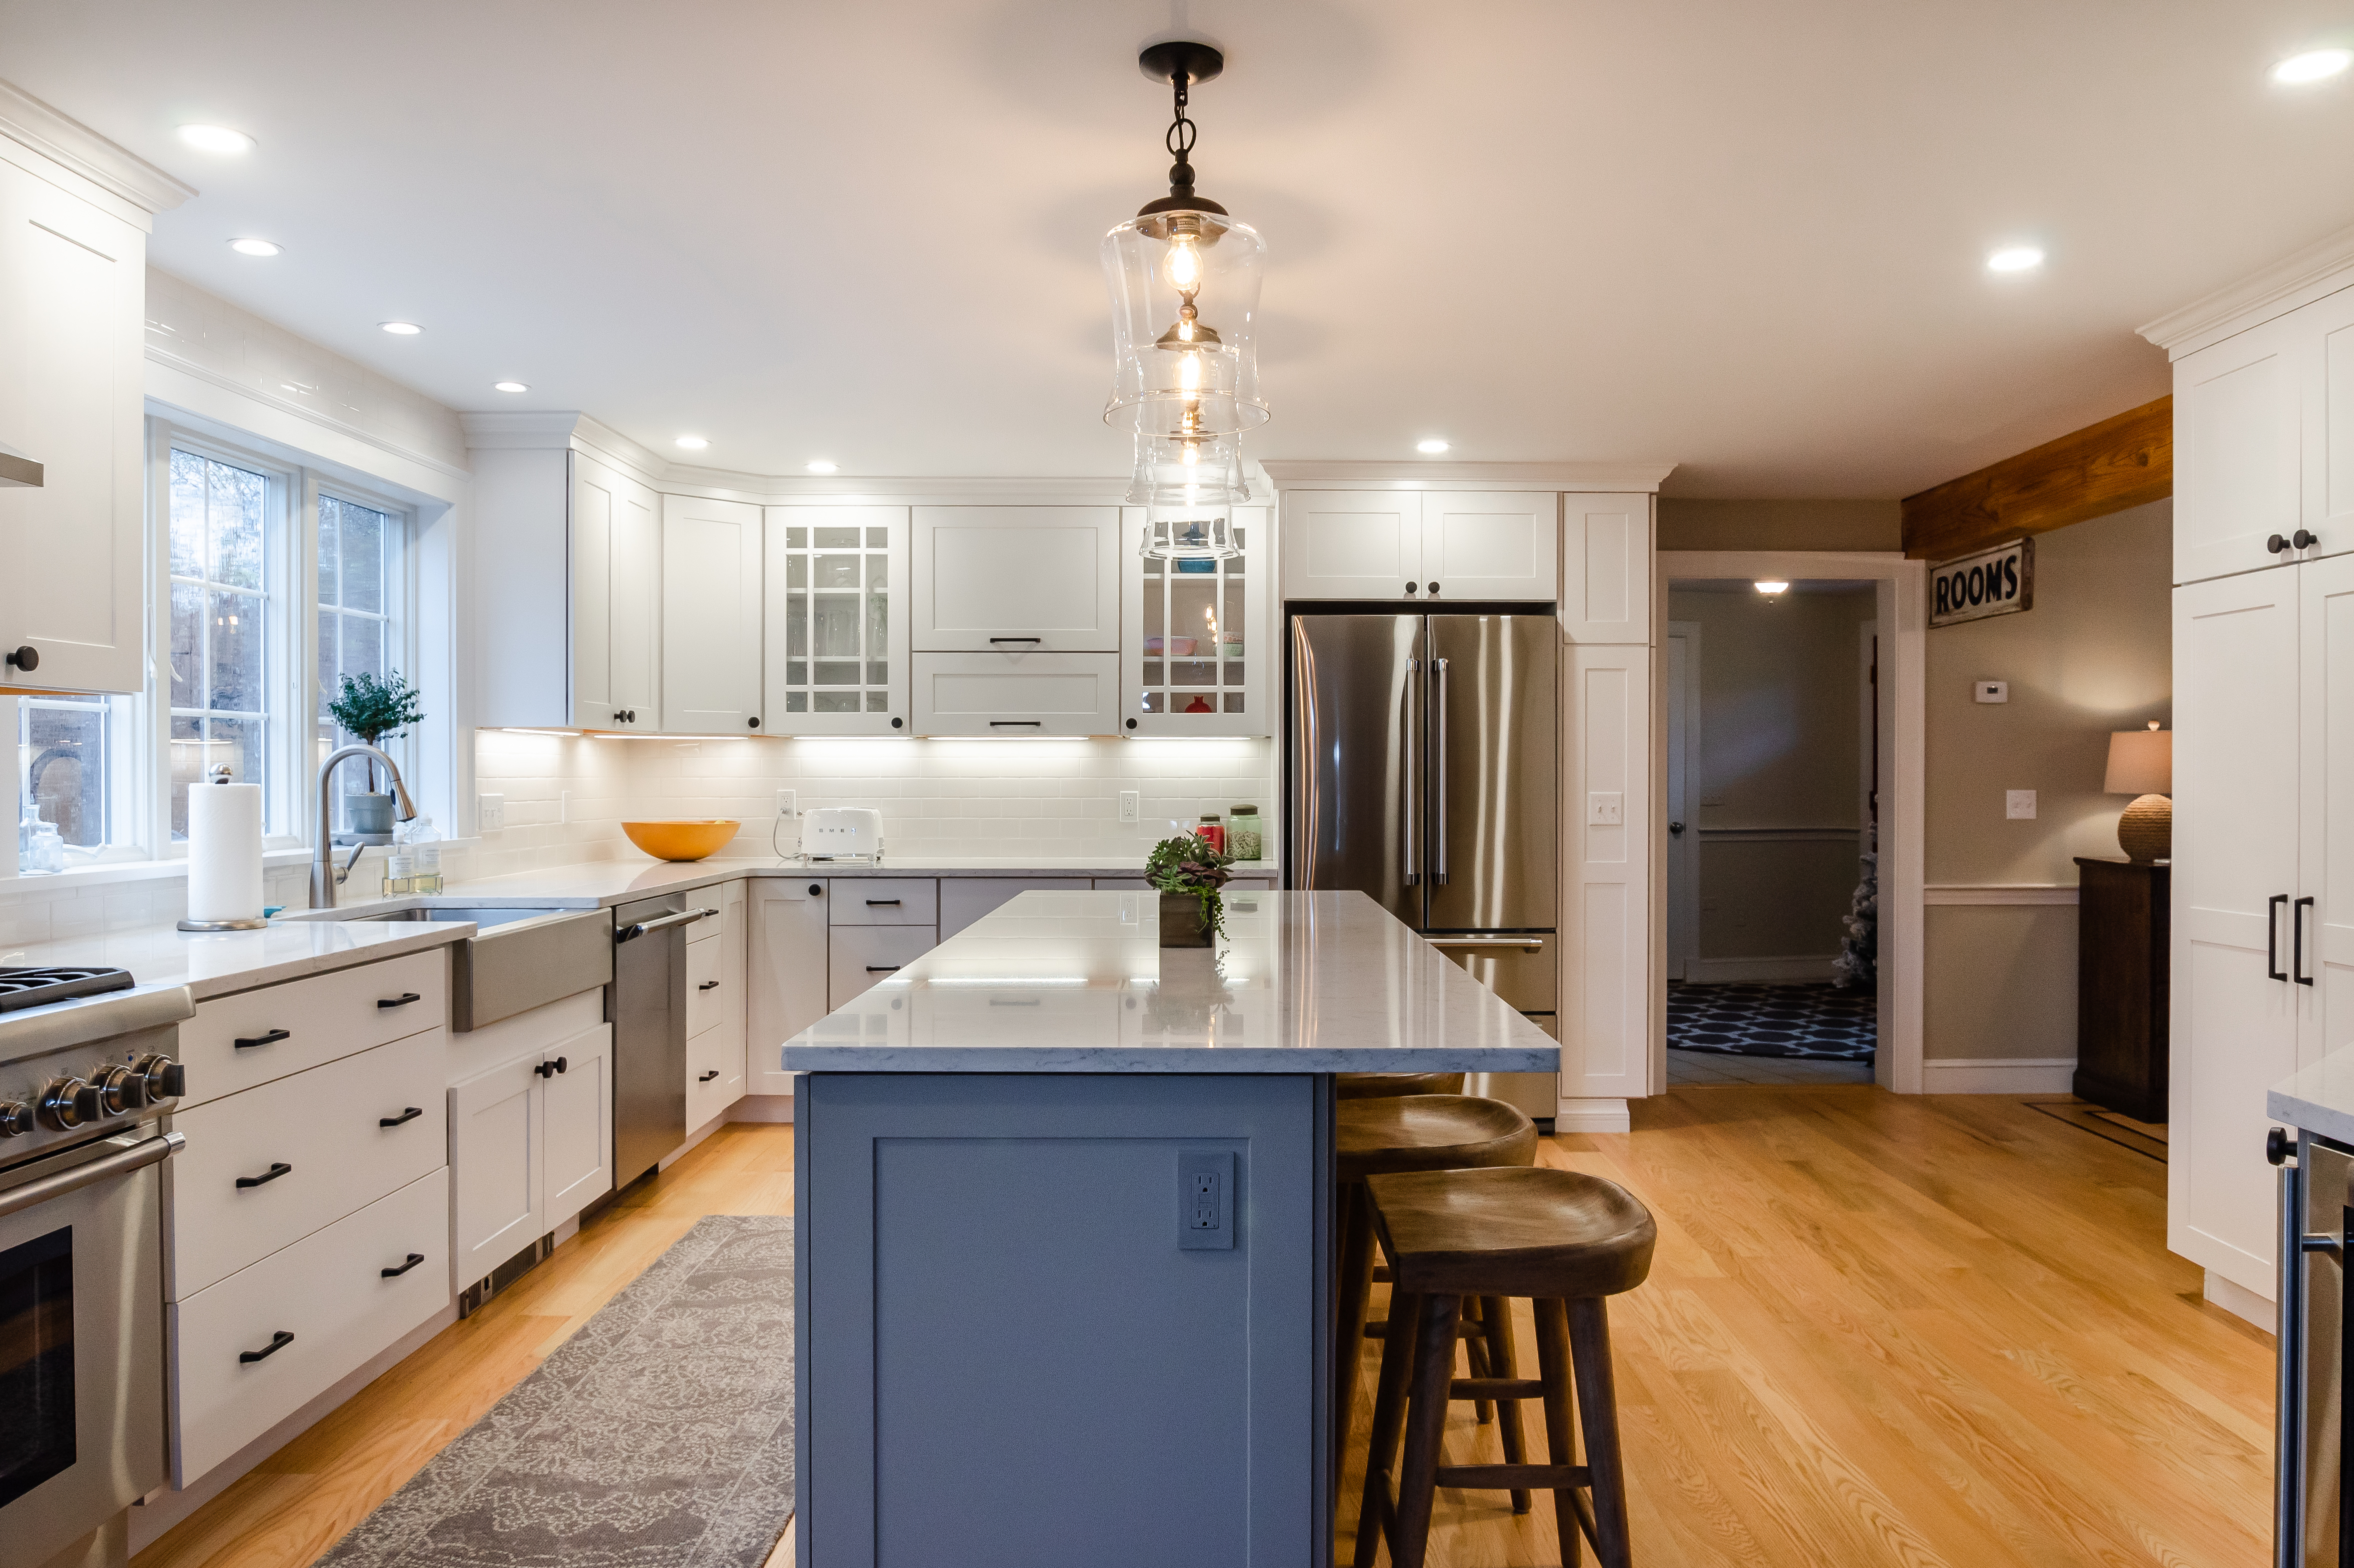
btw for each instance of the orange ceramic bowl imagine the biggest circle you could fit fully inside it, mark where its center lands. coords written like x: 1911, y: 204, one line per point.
x: 682, y: 839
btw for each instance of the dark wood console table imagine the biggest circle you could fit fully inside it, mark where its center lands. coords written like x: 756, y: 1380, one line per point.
x: 2122, y: 911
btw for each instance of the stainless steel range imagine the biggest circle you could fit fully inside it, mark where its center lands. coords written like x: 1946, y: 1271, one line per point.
x: 87, y: 1080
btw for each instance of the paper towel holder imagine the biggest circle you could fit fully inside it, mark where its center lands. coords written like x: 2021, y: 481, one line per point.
x: 220, y: 774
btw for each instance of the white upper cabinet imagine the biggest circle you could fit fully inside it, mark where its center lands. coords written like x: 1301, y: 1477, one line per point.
x: 2238, y: 420
x: 1606, y: 567
x: 616, y: 550
x: 1420, y: 545
x: 1196, y: 650
x: 1016, y: 579
x: 710, y: 616
x: 2328, y: 509
x: 836, y: 654
x: 72, y: 300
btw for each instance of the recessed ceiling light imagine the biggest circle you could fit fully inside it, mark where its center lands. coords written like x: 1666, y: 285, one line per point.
x: 509, y: 387
x: 1433, y: 446
x: 2314, y: 65
x: 692, y: 444
x: 253, y: 248
x: 2014, y: 258
x: 215, y: 139
x: 401, y: 329
x: 1771, y: 586
x: 821, y: 466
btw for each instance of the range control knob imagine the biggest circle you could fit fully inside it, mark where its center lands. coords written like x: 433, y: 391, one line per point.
x: 119, y: 1089
x: 68, y: 1103
x: 160, y: 1077
x: 15, y: 1119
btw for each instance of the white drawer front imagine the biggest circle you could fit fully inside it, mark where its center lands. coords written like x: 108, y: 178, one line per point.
x: 859, y: 956
x: 884, y: 901
x: 1016, y: 694
x: 714, y: 1073
x: 327, y: 1124
x: 304, y: 1023
x: 707, y: 986
x: 328, y: 1290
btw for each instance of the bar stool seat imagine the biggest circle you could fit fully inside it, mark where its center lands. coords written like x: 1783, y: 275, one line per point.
x: 1563, y: 1239
x: 1384, y: 1085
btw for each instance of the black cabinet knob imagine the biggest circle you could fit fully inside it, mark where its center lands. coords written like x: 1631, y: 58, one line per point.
x: 817, y: 890
x: 1131, y: 724
x: 1434, y: 587
x: 2277, y: 1147
x: 753, y: 723
x: 26, y: 657
x: 2304, y: 540
x: 2276, y: 544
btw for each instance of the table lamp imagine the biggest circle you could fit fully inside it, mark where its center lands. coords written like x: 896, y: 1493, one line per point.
x: 2141, y: 763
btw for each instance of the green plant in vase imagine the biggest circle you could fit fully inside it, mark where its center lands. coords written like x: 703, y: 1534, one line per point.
x: 1184, y: 870
x: 374, y: 710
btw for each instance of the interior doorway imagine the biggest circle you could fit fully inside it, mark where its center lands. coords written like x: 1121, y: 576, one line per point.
x: 1789, y: 946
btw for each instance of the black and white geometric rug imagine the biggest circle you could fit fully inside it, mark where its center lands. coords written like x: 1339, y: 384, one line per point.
x: 1822, y: 1021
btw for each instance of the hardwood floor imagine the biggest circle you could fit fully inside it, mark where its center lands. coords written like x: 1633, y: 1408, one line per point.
x: 1879, y: 1329
x: 1904, y: 1330
x: 303, y: 1499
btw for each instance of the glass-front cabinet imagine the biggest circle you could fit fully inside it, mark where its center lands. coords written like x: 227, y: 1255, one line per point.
x: 1197, y: 654
x: 834, y: 657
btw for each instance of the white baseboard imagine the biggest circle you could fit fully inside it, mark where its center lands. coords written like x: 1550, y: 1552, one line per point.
x: 2005, y: 1076
x: 763, y: 1108
x: 2242, y: 1302
x: 1801, y: 969
x: 1591, y: 1116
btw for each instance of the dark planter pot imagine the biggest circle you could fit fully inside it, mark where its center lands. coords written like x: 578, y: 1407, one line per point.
x: 1182, y: 923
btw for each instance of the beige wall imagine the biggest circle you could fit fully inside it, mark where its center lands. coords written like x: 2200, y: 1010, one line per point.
x: 1998, y: 983
x: 1780, y: 740
x: 1779, y: 524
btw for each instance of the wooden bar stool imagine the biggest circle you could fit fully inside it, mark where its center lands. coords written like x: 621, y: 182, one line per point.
x: 1388, y: 1086
x: 1406, y: 1133
x: 1565, y: 1241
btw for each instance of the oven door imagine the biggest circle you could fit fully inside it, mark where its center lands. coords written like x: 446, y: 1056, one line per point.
x: 81, y: 1339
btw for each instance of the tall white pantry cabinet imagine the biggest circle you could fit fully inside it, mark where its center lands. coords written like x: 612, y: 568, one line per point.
x: 2263, y: 942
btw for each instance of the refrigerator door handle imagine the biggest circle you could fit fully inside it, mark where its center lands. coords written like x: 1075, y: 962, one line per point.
x: 1438, y: 776
x: 1413, y: 755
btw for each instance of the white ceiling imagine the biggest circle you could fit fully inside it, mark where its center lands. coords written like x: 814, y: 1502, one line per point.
x: 1746, y: 238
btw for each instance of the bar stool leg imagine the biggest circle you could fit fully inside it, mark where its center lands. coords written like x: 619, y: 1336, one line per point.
x: 1554, y: 1367
x: 1389, y: 1416
x: 1475, y: 1355
x: 1496, y: 1329
x: 1357, y: 1284
x: 1589, y: 1340
x: 1426, y: 1426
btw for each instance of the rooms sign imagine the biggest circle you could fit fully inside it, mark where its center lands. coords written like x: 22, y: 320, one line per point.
x: 1999, y: 582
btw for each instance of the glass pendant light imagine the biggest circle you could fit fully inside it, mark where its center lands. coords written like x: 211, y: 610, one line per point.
x: 1184, y: 278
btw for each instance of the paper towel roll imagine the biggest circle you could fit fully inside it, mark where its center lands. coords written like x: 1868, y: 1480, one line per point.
x: 225, y: 852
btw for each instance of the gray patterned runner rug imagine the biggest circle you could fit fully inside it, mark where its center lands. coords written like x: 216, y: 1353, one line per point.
x: 659, y: 1435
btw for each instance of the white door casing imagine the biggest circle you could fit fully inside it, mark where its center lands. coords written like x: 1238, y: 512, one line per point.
x: 1684, y: 755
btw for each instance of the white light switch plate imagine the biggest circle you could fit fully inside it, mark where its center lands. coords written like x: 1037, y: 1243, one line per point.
x: 1131, y: 805
x: 490, y: 813
x: 2019, y: 804
x: 1605, y: 809
x: 1990, y: 692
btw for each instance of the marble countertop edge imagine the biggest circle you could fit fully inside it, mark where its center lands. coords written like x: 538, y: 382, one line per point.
x: 1169, y: 1059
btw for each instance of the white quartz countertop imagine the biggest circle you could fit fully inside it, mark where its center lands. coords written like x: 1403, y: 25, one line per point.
x: 2319, y: 1099
x: 619, y: 882
x: 1077, y: 983
x: 215, y: 963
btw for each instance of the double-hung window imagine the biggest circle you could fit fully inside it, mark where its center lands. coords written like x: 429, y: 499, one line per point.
x: 360, y: 569
x: 226, y: 667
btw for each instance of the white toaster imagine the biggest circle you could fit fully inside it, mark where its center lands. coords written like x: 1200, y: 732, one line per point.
x: 843, y: 832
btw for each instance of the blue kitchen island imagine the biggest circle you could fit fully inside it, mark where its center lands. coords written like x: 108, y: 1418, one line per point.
x: 1062, y: 1205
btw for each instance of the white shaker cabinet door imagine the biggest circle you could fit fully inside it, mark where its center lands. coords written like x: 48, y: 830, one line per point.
x: 785, y: 990
x: 72, y: 293
x: 1352, y: 543
x: 1605, y: 569
x: 1017, y: 694
x: 616, y: 542
x: 2321, y: 947
x: 2329, y: 382
x: 576, y: 1125
x: 497, y: 1195
x: 2234, y: 1007
x: 711, y: 616
x: 2237, y: 441
x: 1017, y: 578
x: 1492, y: 545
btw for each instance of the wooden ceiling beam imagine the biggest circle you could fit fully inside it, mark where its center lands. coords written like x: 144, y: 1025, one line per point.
x: 2124, y: 462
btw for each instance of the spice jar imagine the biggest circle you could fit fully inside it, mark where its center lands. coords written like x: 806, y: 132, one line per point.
x: 1243, y: 834
x: 1212, y: 832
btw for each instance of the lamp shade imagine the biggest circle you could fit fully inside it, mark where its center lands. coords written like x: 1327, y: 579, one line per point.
x: 1184, y: 294
x: 2141, y: 762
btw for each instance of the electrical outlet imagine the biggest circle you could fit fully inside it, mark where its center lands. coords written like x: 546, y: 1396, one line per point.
x: 2019, y: 805
x: 1605, y: 809
x: 785, y: 803
x: 490, y: 813
x: 1990, y: 692
x: 1206, y: 1200
x: 1131, y: 805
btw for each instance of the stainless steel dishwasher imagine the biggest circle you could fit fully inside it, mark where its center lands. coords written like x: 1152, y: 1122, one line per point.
x: 650, y: 1032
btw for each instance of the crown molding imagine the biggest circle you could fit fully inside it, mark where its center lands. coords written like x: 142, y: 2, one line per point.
x: 188, y: 367
x: 72, y: 145
x: 1299, y: 473
x: 2300, y: 279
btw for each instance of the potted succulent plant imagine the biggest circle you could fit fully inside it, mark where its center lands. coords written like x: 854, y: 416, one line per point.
x: 1189, y: 873
x: 373, y: 711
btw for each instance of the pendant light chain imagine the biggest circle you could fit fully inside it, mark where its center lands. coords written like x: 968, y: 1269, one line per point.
x: 1179, y: 141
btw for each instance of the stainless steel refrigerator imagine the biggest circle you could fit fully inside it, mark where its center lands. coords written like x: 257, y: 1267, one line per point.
x: 1425, y: 772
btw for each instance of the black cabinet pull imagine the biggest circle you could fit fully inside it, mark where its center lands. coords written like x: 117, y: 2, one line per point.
x: 2296, y: 940
x: 402, y: 1000
x: 278, y: 1341
x: 709, y: 985
x: 881, y: 968
x: 2272, y: 936
x: 278, y: 1168
x: 708, y: 1076
x: 1017, y: 639
x: 1017, y: 723
x: 272, y: 1038
x: 884, y: 903
x: 414, y: 1259
x: 411, y: 1114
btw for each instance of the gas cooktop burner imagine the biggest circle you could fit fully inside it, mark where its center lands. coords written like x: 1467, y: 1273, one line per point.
x: 38, y: 987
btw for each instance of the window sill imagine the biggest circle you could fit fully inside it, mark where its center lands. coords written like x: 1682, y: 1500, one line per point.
x: 125, y: 871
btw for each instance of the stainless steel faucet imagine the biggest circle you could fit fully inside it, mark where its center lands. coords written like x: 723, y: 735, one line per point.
x: 324, y: 875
